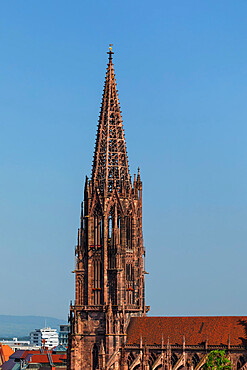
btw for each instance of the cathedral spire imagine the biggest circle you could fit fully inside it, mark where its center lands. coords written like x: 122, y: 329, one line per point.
x: 110, y: 163
x: 109, y: 278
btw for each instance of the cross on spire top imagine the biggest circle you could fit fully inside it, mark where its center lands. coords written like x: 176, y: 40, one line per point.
x: 110, y: 52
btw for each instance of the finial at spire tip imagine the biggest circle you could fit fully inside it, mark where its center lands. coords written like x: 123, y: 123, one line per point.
x: 110, y: 52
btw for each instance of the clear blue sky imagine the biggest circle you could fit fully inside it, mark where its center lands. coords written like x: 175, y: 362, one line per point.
x: 181, y: 68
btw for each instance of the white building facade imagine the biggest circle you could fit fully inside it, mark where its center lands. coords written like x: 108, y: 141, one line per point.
x: 45, y: 337
x: 16, y: 344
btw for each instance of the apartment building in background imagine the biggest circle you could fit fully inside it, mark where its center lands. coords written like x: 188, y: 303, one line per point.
x: 45, y: 337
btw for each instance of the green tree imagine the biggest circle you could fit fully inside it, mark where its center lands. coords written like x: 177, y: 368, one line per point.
x: 217, y: 360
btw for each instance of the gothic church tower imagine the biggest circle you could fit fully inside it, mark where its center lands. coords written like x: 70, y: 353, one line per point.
x: 109, y: 274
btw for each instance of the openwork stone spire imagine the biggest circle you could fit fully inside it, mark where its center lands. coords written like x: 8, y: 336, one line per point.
x: 110, y: 163
x: 109, y: 268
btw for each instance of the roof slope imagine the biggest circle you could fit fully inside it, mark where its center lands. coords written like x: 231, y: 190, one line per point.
x: 43, y: 358
x: 9, y: 365
x: 5, y: 352
x: 216, y: 329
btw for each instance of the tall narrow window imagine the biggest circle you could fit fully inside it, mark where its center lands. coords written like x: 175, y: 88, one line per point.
x: 111, y: 240
x: 130, y: 283
x: 95, y: 230
x: 109, y: 227
x: 113, y: 288
x: 79, y: 290
x: 129, y: 232
x: 98, y: 231
x: 95, y: 356
x: 96, y: 281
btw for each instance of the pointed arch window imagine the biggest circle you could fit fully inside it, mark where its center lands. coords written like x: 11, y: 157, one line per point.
x: 95, y: 356
x: 119, y: 225
x: 113, y: 287
x: 114, y: 234
x: 111, y: 248
x: 129, y: 283
x: 109, y: 227
x: 97, y: 273
x: 129, y: 232
x: 98, y: 228
x: 79, y: 291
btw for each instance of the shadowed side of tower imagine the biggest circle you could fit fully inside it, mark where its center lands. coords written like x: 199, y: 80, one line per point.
x: 109, y: 276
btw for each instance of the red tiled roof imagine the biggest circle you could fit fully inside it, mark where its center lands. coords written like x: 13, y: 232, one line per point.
x: 63, y: 357
x: 57, y: 358
x: 195, y: 329
x: 5, y: 352
x: 43, y: 358
x: 29, y: 352
x: 40, y: 359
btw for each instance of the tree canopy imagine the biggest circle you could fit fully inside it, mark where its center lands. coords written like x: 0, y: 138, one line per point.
x: 217, y: 360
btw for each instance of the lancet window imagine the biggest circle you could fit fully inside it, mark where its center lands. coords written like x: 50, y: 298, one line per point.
x: 130, y: 283
x: 113, y: 287
x: 109, y: 228
x: 111, y: 246
x: 79, y: 291
x: 95, y: 357
x: 129, y: 272
x: 97, y: 271
x: 129, y: 232
x: 98, y: 230
x: 114, y: 235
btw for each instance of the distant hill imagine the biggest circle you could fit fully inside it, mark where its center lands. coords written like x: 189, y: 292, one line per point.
x: 20, y: 326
